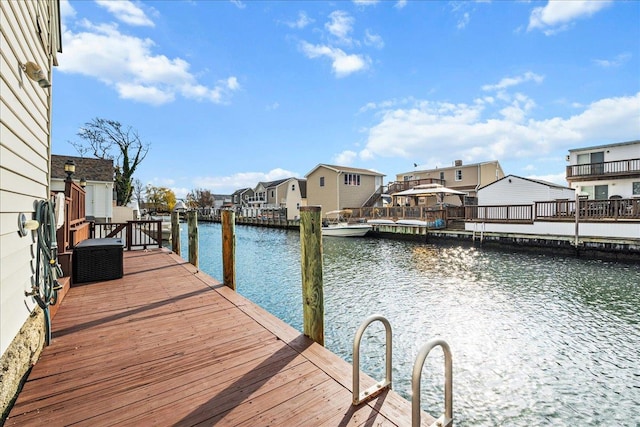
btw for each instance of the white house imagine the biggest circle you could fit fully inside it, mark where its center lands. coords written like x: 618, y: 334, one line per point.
x: 97, y: 174
x: 607, y: 170
x: 516, y: 190
x: 31, y: 39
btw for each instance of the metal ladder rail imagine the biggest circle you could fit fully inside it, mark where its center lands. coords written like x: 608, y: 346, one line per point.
x: 380, y: 386
x: 446, y: 419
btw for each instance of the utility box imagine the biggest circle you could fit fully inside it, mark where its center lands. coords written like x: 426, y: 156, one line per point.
x: 95, y: 260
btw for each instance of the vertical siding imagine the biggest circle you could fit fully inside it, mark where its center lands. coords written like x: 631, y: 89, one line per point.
x: 24, y: 153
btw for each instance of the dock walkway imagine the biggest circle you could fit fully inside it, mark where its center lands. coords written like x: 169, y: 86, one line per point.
x: 168, y: 345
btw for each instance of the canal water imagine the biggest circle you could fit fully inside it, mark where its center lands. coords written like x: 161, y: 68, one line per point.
x: 536, y: 339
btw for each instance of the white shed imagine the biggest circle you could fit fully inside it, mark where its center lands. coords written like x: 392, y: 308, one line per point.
x: 516, y: 190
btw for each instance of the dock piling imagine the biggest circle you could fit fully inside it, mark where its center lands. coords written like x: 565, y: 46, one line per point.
x: 192, y: 223
x: 229, y: 248
x: 175, y: 232
x: 311, y: 260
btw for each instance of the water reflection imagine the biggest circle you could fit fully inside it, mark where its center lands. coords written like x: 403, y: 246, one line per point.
x: 536, y: 339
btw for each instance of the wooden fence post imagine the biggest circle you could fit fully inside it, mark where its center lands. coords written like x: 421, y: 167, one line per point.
x: 175, y: 232
x: 192, y: 222
x: 229, y: 248
x: 311, y: 260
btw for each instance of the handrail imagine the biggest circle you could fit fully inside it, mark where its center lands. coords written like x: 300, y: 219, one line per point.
x: 445, y: 419
x: 380, y: 386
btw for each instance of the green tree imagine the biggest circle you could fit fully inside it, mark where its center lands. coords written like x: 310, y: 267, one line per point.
x: 162, y: 199
x: 108, y: 139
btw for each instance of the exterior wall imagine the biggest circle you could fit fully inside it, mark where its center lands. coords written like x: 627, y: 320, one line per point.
x: 326, y: 196
x: 25, y: 129
x: 612, y: 152
x: 520, y: 192
x: 354, y: 196
x: 99, y: 199
x: 292, y: 199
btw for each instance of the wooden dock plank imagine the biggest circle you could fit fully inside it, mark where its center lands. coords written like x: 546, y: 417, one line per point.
x: 167, y: 344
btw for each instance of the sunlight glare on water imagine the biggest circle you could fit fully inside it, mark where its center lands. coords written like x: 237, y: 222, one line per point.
x: 536, y: 339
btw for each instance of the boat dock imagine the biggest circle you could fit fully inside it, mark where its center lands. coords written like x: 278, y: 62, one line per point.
x: 168, y: 345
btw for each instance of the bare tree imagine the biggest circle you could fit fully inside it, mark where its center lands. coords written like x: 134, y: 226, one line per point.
x: 200, y: 198
x: 138, y: 190
x: 108, y: 139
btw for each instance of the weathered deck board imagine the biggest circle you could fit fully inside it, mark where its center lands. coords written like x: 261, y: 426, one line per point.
x: 168, y: 345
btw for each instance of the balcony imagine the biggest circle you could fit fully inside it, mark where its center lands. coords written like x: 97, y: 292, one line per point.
x: 605, y: 170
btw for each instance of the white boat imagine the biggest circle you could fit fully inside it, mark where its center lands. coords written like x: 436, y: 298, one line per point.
x: 336, y: 223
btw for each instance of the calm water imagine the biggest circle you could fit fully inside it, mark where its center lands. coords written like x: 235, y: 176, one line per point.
x: 536, y: 340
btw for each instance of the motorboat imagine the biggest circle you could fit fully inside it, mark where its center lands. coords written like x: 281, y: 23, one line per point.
x: 338, y: 224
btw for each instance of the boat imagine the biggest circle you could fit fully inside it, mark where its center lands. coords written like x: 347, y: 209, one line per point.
x: 337, y: 224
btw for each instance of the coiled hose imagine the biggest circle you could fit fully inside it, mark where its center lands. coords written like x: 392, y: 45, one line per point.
x: 48, y: 270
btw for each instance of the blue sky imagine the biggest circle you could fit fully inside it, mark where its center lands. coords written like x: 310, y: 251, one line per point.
x: 230, y: 93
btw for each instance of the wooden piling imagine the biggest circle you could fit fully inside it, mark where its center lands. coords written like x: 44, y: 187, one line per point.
x: 175, y: 232
x: 192, y: 223
x: 229, y: 248
x: 311, y: 263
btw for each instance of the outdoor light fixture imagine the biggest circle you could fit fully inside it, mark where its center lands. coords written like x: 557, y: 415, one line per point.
x: 69, y: 168
x: 83, y: 182
x: 35, y: 73
x: 25, y: 225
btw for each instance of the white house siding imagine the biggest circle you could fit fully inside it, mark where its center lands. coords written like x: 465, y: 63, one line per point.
x: 99, y: 198
x: 24, y: 177
x: 292, y: 198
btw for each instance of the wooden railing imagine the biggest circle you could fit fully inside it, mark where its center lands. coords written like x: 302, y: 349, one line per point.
x: 134, y: 234
x: 557, y: 210
x: 500, y: 213
x: 76, y: 227
x: 397, y: 186
x: 614, y: 168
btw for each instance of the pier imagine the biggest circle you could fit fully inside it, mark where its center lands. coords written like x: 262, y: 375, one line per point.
x: 168, y: 345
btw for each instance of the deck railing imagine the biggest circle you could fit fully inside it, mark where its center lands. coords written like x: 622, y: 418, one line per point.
x: 614, y: 168
x: 134, y: 234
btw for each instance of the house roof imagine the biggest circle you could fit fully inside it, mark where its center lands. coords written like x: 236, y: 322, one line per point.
x: 345, y: 169
x: 241, y: 191
x: 89, y: 169
x: 537, y: 181
x: 595, y: 147
x: 302, y: 184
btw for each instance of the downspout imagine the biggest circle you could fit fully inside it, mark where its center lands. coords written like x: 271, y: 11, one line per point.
x: 338, y: 190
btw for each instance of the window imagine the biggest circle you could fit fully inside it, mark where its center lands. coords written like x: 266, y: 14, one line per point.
x: 273, y: 193
x: 458, y: 174
x: 636, y: 188
x: 602, y: 192
x: 293, y: 187
x: 351, y: 179
x: 442, y: 175
x: 322, y: 181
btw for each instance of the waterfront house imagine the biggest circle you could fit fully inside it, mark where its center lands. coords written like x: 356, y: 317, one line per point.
x: 339, y: 187
x: 606, y: 171
x: 31, y: 39
x: 240, y: 198
x: 466, y: 178
x: 516, y: 190
x: 97, y: 176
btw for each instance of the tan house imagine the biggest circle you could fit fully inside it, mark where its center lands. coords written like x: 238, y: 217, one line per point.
x: 467, y: 178
x: 341, y: 187
x: 31, y: 39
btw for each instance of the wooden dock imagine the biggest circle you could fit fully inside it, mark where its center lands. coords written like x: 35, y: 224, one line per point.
x: 168, y: 345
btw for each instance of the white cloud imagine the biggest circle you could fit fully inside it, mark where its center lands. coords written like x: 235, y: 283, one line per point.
x: 345, y: 158
x: 463, y: 21
x: 437, y: 130
x: 365, y: 2
x: 558, y: 15
x: 342, y: 63
x: 374, y: 40
x: 300, y: 23
x: 559, y: 178
x: 400, y: 4
x: 128, y: 64
x: 242, y: 180
x: 615, y: 62
x: 127, y: 12
x: 340, y: 25
x: 514, y: 81
x: 239, y: 4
